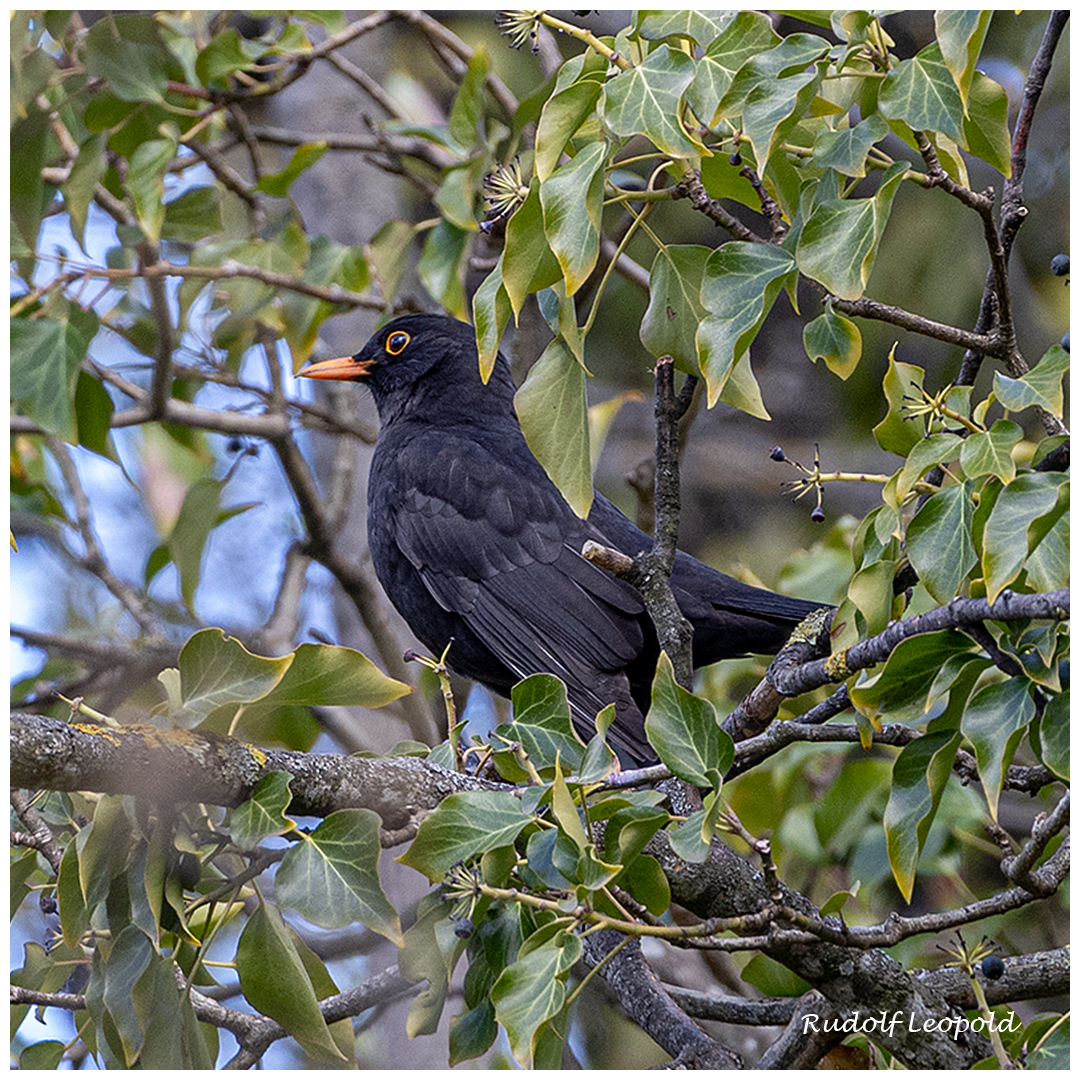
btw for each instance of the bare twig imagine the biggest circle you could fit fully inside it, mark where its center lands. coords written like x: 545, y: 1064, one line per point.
x: 450, y: 44
x: 93, y: 560
x: 650, y: 572
x: 690, y: 187
x: 41, y: 836
x: 1018, y: 868
x: 955, y: 615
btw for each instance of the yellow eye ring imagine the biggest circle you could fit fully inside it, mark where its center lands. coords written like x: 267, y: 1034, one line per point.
x: 397, y: 341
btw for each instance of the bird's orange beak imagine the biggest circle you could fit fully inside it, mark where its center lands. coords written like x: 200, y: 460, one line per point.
x: 341, y: 367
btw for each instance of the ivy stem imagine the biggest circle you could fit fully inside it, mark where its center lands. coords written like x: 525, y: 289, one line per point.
x: 1000, y: 1053
x: 594, y: 310
x: 596, y: 970
x: 588, y: 37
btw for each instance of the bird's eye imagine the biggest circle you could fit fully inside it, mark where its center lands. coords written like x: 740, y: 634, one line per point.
x: 397, y: 341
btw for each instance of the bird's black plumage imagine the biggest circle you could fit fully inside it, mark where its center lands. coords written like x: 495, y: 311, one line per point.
x: 472, y: 541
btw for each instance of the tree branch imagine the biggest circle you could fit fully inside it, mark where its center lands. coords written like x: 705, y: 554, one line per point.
x: 955, y: 615
x: 650, y: 572
x: 179, y: 765
x: 651, y: 1007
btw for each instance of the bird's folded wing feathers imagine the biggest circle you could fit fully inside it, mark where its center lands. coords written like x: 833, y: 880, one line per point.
x: 513, y: 572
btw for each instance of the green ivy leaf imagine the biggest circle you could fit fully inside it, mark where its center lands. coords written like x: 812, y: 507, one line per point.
x: 466, y: 120
x: 577, y: 89
x: 990, y: 452
x: 647, y: 100
x: 491, y: 313
x: 919, y: 776
x: 45, y: 358
x: 684, y: 731
x: 960, y: 35
x: 552, y: 409
x: 93, y: 416
x: 834, y: 339
x: 472, y: 1032
x: 332, y: 876
x: 216, y: 670
x: 749, y: 35
x: 774, y: 107
x: 790, y: 57
x: 1008, y: 536
x: 986, y: 126
x: 456, y: 196
x: 904, y: 688
x: 839, y: 242
x: 429, y: 954
x: 146, y: 182
x: 263, y: 814
x: 994, y: 723
x: 669, y: 327
x: 74, y: 918
x: 275, y: 982
x: 315, y: 675
x: 225, y: 54
x: 328, y: 263
x: 532, y: 990
x: 388, y: 253
x: 921, y: 93
x: 647, y: 883
x: 738, y: 290
x: 936, y: 449
x: 193, y: 216
x: 1050, y: 736
x: 528, y: 264
x: 131, y: 954
x: 572, y: 198
x: 939, y: 541
x: 1047, y: 565
x: 86, y: 170
x: 845, y: 150
x: 303, y: 157
x: 442, y: 267
x: 465, y: 824
x: 126, y: 52
x: 700, y: 27
x: 187, y: 541
x: 629, y: 830
x: 1040, y: 386
x: 541, y: 722
x: 723, y: 180
x: 897, y: 432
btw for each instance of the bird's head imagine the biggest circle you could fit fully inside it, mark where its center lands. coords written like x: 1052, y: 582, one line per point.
x: 412, y: 354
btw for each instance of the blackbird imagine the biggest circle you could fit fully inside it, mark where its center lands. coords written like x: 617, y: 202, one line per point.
x: 476, y: 547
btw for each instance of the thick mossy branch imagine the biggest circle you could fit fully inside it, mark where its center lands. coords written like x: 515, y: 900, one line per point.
x: 179, y: 765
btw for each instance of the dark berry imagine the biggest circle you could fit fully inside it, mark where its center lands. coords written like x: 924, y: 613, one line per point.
x: 735, y: 159
x: 817, y: 514
x: 993, y: 967
x: 777, y: 453
x: 463, y: 928
x: 48, y: 904
x: 1059, y: 265
x: 1065, y: 342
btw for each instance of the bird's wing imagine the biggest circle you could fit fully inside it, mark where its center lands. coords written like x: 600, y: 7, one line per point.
x: 495, y: 543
